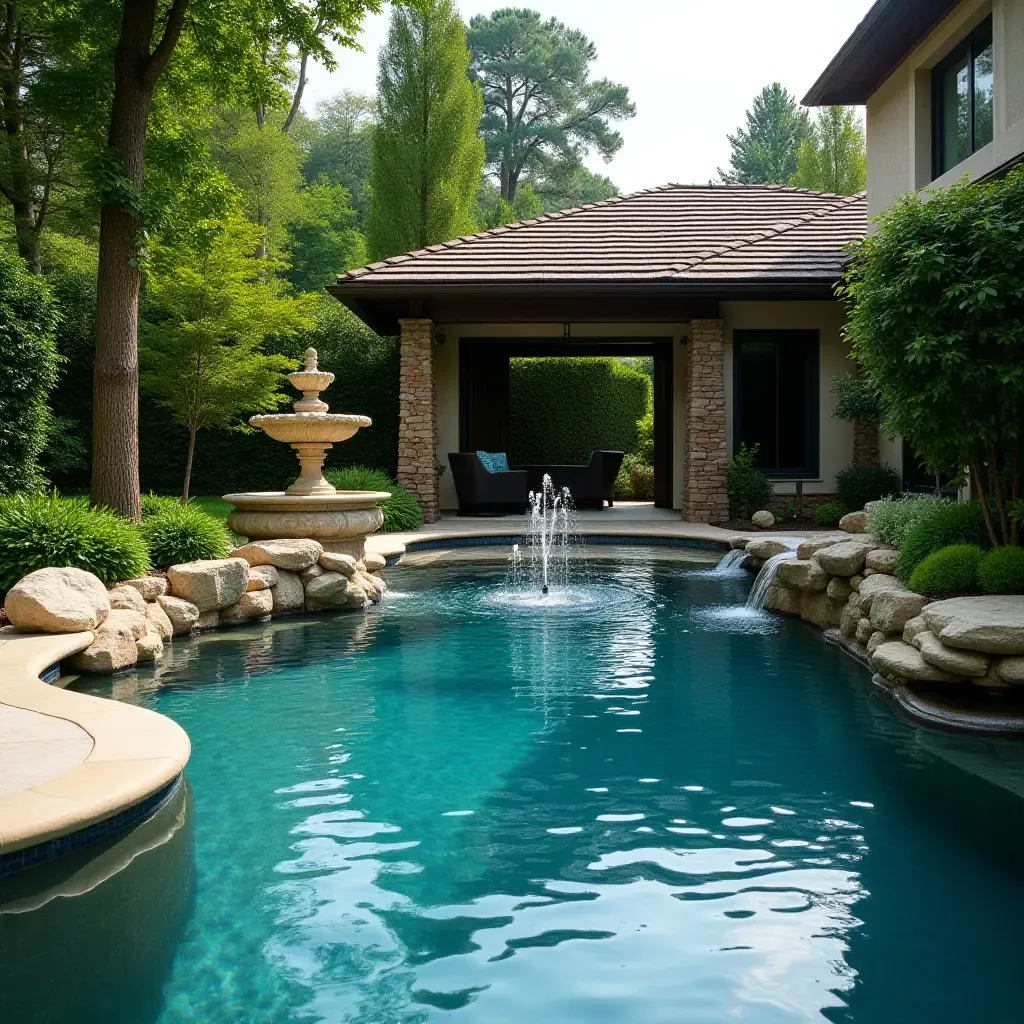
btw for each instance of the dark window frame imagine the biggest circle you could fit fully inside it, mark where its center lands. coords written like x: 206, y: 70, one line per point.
x: 970, y: 46
x: 812, y: 339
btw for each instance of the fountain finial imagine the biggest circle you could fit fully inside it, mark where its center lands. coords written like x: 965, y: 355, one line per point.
x: 310, y: 381
x: 311, y: 360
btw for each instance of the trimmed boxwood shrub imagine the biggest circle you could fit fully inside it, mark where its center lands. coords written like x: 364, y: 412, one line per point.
x: 401, y: 510
x: 948, y: 571
x: 176, y: 533
x: 748, y: 489
x: 828, y: 514
x: 28, y: 369
x: 1002, y: 571
x: 945, y: 523
x: 38, y: 530
x: 562, y: 409
x: 890, y: 520
x: 857, y: 485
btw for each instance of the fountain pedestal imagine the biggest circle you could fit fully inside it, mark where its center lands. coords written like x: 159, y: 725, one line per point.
x: 311, y: 507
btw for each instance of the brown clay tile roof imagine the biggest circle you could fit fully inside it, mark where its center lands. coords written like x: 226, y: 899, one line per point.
x: 696, y: 234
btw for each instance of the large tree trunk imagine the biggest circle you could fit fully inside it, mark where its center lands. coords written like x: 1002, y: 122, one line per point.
x: 115, y: 424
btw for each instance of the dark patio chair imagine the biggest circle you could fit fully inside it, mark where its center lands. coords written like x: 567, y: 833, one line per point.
x: 484, y: 493
x: 590, y: 486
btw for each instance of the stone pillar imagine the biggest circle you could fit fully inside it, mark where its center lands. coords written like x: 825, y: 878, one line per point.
x: 417, y: 416
x: 865, y: 442
x: 704, y: 498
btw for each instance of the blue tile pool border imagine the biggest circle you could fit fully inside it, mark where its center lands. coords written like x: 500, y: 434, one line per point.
x: 51, y: 849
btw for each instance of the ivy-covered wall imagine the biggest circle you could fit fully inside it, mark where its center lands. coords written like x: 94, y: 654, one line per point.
x: 563, y: 409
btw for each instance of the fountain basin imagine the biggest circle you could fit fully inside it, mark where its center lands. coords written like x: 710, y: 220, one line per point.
x: 340, y: 521
x: 317, y: 428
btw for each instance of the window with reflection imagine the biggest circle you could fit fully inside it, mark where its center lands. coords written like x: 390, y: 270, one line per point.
x: 962, y: 95
x: 775, y: 399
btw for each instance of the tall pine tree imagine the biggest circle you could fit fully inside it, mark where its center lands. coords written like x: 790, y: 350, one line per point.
x: 764, y: 152
x: 427, y: 157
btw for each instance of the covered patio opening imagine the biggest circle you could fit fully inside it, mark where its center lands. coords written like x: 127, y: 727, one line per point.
x: 485, y: 390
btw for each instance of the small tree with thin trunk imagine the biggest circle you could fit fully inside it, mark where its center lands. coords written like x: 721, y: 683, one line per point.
x: 936, y: 319
x: 213, y: 307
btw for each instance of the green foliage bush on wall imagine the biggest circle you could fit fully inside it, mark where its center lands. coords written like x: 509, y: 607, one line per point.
x: 946, y: 523
x: 563, y: 409
x: 949, y: 571
x: 1002, y: 571
x: 28, y: 371
x: 828, y: 514
x: 748, y: 489
x: 39, y: 530
x: 890, y: 521
x: 857, y: 485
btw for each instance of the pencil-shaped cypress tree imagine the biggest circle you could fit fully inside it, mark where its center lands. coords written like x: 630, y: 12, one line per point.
x: 427, y: 157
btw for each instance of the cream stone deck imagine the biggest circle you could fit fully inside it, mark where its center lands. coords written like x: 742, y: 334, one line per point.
x: 68, y: 760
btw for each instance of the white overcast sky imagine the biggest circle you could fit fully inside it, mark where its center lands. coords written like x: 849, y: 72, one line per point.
x: 692, y: 67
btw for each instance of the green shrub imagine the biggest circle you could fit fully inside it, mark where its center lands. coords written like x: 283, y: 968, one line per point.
x: 153, y: 503
x: 563, y: 409
x: 945, y: 523
x: 28, y: 370
x: 828, y: 514
x: 1002, y: 571
x: 950, y: 570
x: 176, y: 533
x: 641, y: 481
x: 857, y: 485
x: 39, y: 530
x: 645, y: 438
x: 749, y: 490
x: 401, y: 510
x: 890, y: 520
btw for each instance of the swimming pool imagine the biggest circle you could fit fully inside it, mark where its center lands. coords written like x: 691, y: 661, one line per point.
x: 624, y: 804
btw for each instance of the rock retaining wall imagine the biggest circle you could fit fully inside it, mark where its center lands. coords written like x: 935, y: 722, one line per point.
x: 132, y: 621
x: 846, y: 581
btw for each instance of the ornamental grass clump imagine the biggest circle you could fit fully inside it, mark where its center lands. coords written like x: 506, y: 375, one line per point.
x: 949, y: 571
x: 1002, y: 571
x: 401, y: 511
x: 177, y: 533
x: 40, y: 530
x: 947, y: 523
x: 890, y: 520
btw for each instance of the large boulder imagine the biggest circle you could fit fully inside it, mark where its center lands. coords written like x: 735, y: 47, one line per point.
x: 374, y: 562
x: 817, y: 607
x: 355, y: 596
x: 848, y: 620
x: 262, y: 577
x: 780, y: 598
x: 114, y: 647
x: 57, y: 600
x: 871, y: 586
x: 182, y: 614
x: 293, y: 554
x: 136, y: 622
x: 334, y: 561
x: 763, y: 549
x: 891, y: 609
x: 150, y: 587
x: 287, y: 594
x: 330, y: 588
x: 843, y: 559
x: 253, y: 604
x: 1011, y: 670
x: 739, y: 542
x: 127, y: 598
x: 763, y: 520
x: 854, y: 522
x: 315, y: 570
x: 801, y: 575
x: 149, y: 649
x: 159, y: 621
x: 211, y: 583
x: 814, y: 544
x: 902, y: 661
x: 993, y: 625
x: 960, y: 663
x: 840, y: 590
x: 882, y: 560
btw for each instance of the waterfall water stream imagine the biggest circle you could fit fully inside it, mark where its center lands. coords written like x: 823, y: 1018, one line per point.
x: 765, y: 578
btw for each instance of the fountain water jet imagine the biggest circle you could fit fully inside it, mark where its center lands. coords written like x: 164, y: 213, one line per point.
x: 550, y: 513
x: 311, y: 507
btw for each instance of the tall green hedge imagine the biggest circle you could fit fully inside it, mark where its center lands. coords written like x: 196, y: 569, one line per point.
x: 28, y: 370
x: 563, y: 409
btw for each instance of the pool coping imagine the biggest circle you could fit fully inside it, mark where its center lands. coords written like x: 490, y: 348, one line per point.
x: 137, y: 755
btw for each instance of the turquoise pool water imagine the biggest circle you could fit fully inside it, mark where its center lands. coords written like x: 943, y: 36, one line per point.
x: 629, y: 806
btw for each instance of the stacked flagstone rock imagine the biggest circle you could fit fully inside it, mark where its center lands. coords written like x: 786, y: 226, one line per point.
x: 132, y: 621
x: 845, y: 581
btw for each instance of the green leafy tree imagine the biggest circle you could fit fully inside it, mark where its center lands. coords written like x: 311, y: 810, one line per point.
x: 831, y: 158
x: 764, y: 152
x: 213, y: 307
x: 337, y: 143
x: 564, y: 184
x: 28, y: 369
x: 323, y: 238
x: 539, y: 100
x: 493, y: 210
x: 427, y: 157
x: 936, y: 321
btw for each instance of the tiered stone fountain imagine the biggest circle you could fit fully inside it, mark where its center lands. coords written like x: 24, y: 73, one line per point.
x: 310, y: 507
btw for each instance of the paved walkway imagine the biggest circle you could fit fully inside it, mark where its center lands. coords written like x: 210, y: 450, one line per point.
x: 35, y: 748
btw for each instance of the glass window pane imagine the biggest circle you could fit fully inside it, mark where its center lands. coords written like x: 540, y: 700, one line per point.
x: 956, y: 128
x: 794, y: 403
x: 983, y: 84
x: 758, y: 405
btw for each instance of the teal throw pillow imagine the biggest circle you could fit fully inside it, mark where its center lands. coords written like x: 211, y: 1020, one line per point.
x: 493, y: 462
